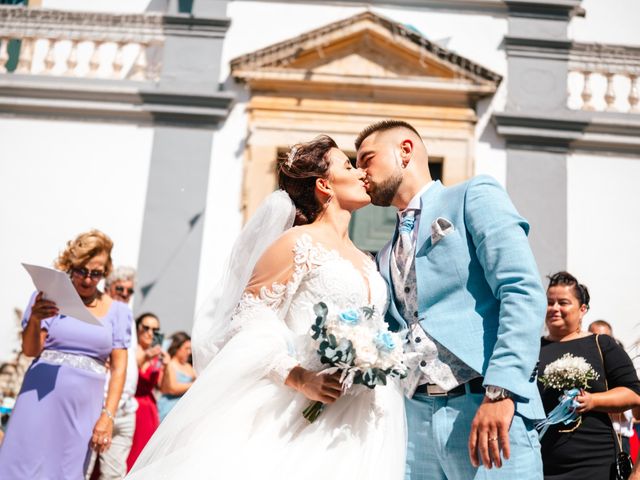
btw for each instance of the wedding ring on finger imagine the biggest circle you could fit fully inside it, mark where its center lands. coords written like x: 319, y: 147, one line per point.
x: 105, y: 440
x: 493, y: 439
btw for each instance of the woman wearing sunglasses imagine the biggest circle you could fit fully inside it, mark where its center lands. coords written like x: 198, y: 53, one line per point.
x: 151, y: 361
x: 61, y: 411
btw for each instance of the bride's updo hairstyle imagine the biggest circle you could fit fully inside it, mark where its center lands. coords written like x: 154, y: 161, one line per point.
x: 297, y: 174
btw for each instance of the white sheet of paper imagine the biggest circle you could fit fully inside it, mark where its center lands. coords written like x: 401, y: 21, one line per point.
x: 57, y: 287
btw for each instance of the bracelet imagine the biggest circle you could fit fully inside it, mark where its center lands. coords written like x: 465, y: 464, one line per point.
x: 108, y: 413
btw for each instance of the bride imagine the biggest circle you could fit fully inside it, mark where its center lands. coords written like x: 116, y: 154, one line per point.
x: 258, y: 369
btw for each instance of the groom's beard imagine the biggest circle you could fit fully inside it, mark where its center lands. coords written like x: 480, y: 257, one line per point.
x: 382, y: 193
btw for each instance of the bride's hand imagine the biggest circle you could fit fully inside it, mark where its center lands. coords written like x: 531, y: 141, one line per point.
x: 324, y: 388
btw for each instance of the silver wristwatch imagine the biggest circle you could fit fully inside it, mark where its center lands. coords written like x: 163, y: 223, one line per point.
x: 494, y: 393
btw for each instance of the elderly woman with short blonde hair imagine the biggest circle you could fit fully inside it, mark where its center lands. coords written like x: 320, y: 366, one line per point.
x: 61, y: 411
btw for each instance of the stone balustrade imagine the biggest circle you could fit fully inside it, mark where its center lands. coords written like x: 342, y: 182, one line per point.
x: 82, y: 44
x: 604, y: 78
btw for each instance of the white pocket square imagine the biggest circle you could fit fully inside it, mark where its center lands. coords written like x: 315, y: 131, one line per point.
x: 440, y: 228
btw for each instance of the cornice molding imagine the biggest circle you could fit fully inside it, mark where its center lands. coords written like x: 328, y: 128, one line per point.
x: 190, y: 26
x: 610, y: 58
x: 537, y: 47
x: 545, y: 9
x: 580, y: 131
x: 20, y: 22
x: 109, y: 101
x: 489, y: 7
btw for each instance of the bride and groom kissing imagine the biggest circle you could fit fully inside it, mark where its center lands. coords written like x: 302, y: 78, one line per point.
x: 458, y: 279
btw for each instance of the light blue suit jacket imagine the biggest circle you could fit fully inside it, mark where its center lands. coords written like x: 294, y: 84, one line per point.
x: 479, y: 291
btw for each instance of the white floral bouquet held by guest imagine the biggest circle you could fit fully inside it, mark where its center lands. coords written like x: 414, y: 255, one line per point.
x: 571, y: 375
x: 357, y: 343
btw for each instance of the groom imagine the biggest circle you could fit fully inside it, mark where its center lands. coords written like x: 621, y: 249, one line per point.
x: 465, y: 284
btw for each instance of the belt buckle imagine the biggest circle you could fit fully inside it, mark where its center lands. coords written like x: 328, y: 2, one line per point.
x: 436, y: 391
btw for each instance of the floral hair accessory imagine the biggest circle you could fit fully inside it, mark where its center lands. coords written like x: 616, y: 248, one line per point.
x: 291, y: 156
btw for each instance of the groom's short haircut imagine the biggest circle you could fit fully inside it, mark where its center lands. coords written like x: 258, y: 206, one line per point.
x: 382, y: 126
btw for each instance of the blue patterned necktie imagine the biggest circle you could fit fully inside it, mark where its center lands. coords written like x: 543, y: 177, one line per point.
x: 404, y: 249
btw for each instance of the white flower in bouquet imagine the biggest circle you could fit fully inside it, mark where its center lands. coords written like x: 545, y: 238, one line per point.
x: 568, y: 372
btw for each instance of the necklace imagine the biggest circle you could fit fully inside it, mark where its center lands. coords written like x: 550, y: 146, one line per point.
x: 89, y: 302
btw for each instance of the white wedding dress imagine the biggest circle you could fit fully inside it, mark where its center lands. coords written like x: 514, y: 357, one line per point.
x: 240, y: 421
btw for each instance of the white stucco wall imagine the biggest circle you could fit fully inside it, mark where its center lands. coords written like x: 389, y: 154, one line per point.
x: 58, y: 179
x: 603, y: 232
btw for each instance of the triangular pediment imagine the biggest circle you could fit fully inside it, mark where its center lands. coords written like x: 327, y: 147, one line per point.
x: 366, y: 49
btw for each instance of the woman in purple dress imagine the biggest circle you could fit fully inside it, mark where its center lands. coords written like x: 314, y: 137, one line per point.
x: 61, y: 411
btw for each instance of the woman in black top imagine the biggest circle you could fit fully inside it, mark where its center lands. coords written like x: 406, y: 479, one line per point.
x: 583, y: 450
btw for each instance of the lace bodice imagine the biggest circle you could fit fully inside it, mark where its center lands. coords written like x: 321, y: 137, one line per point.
x: 319, y: 275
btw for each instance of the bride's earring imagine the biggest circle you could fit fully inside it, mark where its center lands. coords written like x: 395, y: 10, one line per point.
x: 328, y: 201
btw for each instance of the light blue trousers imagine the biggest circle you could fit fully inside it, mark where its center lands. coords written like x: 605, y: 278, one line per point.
x: 439, y: 430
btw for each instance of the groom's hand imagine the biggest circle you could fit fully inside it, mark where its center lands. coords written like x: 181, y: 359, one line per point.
x: 490, y: 433
x: 324, y: 388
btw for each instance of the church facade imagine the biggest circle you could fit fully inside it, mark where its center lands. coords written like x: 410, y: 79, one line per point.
x: 160, y: 122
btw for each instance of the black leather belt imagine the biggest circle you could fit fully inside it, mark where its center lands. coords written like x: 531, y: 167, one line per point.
x: 431, y: 390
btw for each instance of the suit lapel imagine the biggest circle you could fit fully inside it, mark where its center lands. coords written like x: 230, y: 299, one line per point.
x: 428, y: 210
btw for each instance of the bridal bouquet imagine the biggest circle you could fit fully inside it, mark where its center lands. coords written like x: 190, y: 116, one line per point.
x: 569, y: 374
x: 357, y: 343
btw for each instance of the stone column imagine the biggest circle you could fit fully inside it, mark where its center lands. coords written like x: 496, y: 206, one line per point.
x: 537, y: 53
x: 179, y: 172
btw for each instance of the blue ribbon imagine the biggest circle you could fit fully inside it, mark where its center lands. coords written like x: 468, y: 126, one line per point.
x: 565, y: 412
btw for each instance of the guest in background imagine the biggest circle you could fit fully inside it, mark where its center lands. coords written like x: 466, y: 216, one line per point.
x: 179, y: 374
x: 120, y: 285
x: 622, y: 422
x: 601, y: 327
x: 61, y: 409
x: 585, y: 449
x: 151, y: 360
x: 112, y: 464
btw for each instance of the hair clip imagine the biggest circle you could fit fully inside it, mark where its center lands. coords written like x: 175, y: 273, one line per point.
x: 291, y: 156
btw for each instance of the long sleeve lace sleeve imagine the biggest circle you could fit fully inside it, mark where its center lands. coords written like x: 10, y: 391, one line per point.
x: 266, y: 300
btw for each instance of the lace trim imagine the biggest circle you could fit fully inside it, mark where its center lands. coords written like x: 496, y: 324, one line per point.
x: 73, y: 360
x: 306, y: 257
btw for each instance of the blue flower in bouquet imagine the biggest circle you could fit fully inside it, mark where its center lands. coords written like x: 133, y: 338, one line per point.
x: 350, y: 317
x: 384, y: 341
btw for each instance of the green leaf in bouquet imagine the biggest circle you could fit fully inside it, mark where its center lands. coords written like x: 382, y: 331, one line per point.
x: 318, y: 330
x: 368, y: 311
x: 334, y: 354
x: 321, y: 310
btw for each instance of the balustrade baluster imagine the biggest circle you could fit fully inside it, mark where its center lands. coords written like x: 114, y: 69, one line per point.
x: 26, y: 55
x: 118, y: 59
x: 4, y: 53
x: 586, y: 91
x: 610, y: 94
x: 141, y: 66
x: 72, y: 59
x: 634, y: 94
x: 50, y: 58
x: 94, y: 61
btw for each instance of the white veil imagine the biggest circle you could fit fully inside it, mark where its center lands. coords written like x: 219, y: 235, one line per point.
x: 274, y: 216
